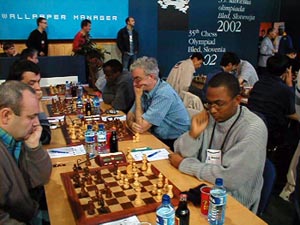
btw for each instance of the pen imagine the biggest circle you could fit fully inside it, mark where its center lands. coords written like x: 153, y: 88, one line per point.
x: 54, y: 151
x: 153, y: 154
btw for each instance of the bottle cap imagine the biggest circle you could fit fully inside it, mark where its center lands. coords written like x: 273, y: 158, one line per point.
x: 101, y: 126
x: 89, y: 126
x: 166, y: 198
x: 219, y: 182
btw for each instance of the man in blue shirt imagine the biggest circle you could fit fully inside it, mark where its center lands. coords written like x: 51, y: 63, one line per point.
x: 157, y: 107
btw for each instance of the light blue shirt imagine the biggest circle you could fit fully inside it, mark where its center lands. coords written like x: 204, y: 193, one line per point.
x: 164, y: 109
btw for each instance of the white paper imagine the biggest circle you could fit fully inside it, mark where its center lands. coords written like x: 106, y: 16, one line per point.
x: 55, y: 119
x: 127, y: 221
x: 159, y: 154
x: 66, y: 151
x: 122, y: 118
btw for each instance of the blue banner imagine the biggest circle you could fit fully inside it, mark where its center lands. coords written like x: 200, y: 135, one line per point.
x: 18, y: 17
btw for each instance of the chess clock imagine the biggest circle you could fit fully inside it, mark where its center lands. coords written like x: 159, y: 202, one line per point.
x: 117, y: 158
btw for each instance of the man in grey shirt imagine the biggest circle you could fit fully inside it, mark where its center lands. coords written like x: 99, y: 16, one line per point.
x: 118, y: 90
x: 226, y: 141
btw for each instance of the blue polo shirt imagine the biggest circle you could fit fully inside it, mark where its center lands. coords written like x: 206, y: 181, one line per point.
x: 164, y: 109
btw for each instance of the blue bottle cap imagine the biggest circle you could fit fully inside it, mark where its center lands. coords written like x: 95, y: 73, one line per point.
x: 89, y: 126
x: 166, y: 198
x: 219, y: 182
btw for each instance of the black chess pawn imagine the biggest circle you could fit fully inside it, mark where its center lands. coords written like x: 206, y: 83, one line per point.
x: 90, y: 208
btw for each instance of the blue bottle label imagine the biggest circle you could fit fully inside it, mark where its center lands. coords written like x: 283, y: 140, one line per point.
x: 164, y: 221
x: 218, y: 200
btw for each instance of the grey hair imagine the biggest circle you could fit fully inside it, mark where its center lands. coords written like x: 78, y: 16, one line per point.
x: 11, y: 95
x: 148, y: 64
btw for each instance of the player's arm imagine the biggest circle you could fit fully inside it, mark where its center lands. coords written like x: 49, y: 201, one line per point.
x: 141, y: 125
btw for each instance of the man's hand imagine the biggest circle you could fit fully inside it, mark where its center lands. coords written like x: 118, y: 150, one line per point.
x: 138, y: 91
x: 199, y: 123
x: 136, y: 128
x: 33, y: 140
x: 42, y: 54
x: 175, y: 159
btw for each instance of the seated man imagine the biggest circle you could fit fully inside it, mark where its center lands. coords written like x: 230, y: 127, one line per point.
x: 274, y: 98
x: 246, y: 73
x: 157, y: 108
x: 29, y: 73
x: 24, y: 165
x: 118, y: 90
x: 181, y: 75
x: 30, y: 54
x: 233, y: 135
x: 9, y: 50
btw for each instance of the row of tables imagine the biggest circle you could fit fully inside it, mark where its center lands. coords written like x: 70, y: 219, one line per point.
x: 60, y: 212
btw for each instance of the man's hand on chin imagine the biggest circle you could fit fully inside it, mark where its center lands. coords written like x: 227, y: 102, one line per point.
x: 175, y: 159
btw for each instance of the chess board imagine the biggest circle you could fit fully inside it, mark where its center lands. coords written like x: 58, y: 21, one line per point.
x: 123, y: 132
x: 121, y: 204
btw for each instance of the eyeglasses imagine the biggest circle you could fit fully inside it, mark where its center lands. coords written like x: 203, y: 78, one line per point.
x: 219, y: 104
x: 44, y: 22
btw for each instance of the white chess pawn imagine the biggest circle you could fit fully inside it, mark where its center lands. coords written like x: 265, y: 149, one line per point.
x: 121, y: 181
x: 170, y: 191
x: 154, y: 190
x: 165, y: 188
x: 136, y: 180
x: 134, y: 169
x: 144, y: 165
x: 126, y: 183
x: 138, y: 200
x: 118, y: 177
x: 159, y: 195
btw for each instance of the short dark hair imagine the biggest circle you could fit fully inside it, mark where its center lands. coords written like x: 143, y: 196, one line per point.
x: 40, y: 19
x: 85, y: 22
x: 277, y: 64
x: 229, y: 57
x: 11, y: 95
x: 19, y: 67
x: 28, y: 52
x: 7, y: 45
x: 197, y: 55
x: 224, y: 79
x: 115, y: 65
x: 270, y: 30
x: 127, y: 19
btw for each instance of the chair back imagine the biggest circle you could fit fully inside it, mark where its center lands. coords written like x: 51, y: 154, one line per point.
x: 269, y: 176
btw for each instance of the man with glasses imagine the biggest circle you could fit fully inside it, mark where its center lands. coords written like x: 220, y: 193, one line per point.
x: 226, y: 140
x: 118, y: 91
x: 158, y: 108
x: 38, y: 38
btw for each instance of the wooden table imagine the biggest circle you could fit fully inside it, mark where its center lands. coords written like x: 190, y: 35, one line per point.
x: 60, y: 211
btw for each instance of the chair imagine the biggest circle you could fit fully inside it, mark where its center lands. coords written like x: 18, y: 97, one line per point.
x: 269, y: 176
x: 191, y: 101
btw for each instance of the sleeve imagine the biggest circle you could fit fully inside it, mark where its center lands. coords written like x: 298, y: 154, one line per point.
x: 122, y: 97
x: 120, y: 41
x: 37, y: 165
x: 46, y: 132
x: 265, y: 49
x: 158, y: 109
x: 30, y: 41
x: 6, y: 220
x: 236, y: 167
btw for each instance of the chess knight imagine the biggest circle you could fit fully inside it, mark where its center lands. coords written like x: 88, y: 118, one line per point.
x: 180, y: 5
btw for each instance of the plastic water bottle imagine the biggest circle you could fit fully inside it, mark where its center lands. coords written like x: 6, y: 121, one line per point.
x: 101, y: 139
x: 165, y: 213
x: 79, y: 90
x: 217, y: 203
x: 90, y: 140
x: 68, y: 90
x: 96, y: 103
x: 79, y: 107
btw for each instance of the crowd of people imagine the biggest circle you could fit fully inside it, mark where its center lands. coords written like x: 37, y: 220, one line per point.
x: 227, y: 139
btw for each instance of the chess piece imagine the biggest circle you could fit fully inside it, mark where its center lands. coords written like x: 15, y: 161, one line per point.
x: 159, y: 195
x: 129, y: 170
x: 108, y: 193
x: 149, y: 170
x: 136, y: 180
x: 87, y: 162
x: 90, y: 208
x: 160, y: 180
x: 137, y: 137
x: 138, y: 200
x: 144, y: 165
x: 83, y: 193
x: 134, y: 169
x: 98, y: 177
x: 118, y: 176
x: 121, y: 181
x: 89, y: 180
x: 170, y: 191
x: 154, y: 190
x: 126, y: 183
x: 165, y: 188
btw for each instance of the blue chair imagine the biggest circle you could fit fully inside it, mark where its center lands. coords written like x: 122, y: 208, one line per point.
x: 269, y: 179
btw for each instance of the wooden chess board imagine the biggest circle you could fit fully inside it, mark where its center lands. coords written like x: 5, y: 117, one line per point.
x: 74, y: 135
x: 121, y: 204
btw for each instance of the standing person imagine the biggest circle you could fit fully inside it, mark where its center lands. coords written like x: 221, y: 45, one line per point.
x: 38, y: 38
x: 181, y: 75
x: 24, y: 165
x: 158, y: 108
x: 227, y: 141
x: 267, y: 49
x: 128, y: 43
x: 83, y: 36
